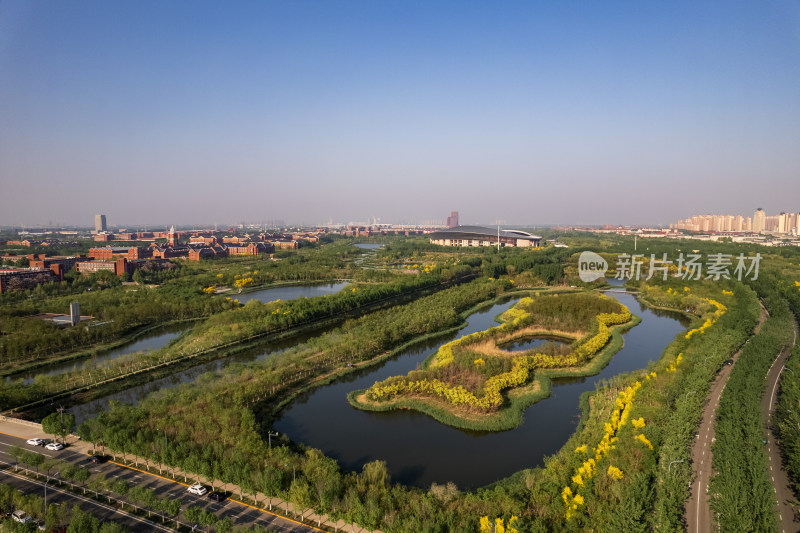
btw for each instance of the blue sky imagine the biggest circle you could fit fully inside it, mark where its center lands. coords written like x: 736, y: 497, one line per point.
x: 529, y: 112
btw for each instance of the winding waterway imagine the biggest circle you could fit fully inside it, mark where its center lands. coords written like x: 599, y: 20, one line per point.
x: 289, y: 293
x: 134, y: 395
x: 419, y: 450
x: 149, y: 341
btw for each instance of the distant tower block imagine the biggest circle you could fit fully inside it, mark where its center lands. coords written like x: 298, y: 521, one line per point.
x: 452, y: 220
x: 100, y: 223
x: 172, y: 238
x: 74, y: 313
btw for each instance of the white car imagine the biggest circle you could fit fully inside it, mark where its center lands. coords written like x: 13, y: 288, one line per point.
x: 35, y: 442
x: 55, y: 446
x: 21, y: 517
x: 198, y: 489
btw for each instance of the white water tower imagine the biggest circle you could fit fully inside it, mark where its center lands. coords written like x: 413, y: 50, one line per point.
x: 74, y: 313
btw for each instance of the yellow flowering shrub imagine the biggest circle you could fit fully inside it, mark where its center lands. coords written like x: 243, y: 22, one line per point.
x: 243, y: 282
x: 614, y: 472
x: 709, y: 321
x: 493, y: 387
x: 622, y: 405
x: 638, y: 423
x: 643, y: 439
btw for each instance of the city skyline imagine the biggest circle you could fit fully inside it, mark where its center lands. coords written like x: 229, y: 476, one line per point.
x: 613, y: 113
x: 783, y: 222
x: 760, y: 222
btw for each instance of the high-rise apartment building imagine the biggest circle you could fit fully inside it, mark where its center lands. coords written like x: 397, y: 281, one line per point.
x: 452, y: 220
x: 759, y: 221
x: 100, y: 223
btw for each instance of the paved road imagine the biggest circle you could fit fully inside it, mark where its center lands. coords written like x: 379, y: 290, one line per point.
x: 55, y: 495
x: 790, y: 521
x: 698, y: 511
x: 239, y: 513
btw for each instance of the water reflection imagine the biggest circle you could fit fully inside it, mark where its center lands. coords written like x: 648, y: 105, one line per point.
x: 150, y: 341
x: 289, y: 293
x: 420, y: 450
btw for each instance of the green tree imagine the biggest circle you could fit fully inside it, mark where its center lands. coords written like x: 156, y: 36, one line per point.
x: 224, y: 526
x: 112, y: 527
x: 192, y: 514
x: 376, y: 474
x: 17, y: 453
x: 81, y: 475
x: 207, y: 518
x: 60, y: 424
x: 82, y: 522
x: 56, y: 515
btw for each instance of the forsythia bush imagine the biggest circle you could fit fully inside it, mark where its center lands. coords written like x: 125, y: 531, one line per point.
x: 614, y: 472
x: 619, y: 417
x: 709, y: 321
x: 644, y: 440
x: 493, y: 387
x: 243, y: 282
x: 486, y: 526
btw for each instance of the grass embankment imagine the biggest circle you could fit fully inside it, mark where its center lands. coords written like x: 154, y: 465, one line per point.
x: 95, y: 350
x: 235, y: 329
x: 742, y: 495
x: 509, y: 413
x: 662, y: 403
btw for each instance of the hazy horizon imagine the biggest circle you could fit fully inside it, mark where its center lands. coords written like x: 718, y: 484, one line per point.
x: 530, y: 113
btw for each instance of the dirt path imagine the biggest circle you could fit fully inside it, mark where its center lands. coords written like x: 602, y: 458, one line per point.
x: 698, y: 511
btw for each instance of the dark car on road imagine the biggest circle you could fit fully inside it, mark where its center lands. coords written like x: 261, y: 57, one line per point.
x: 217, y: 496
x: 98, y: 459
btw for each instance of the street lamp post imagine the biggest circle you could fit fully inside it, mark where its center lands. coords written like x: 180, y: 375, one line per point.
x: 271, y: 434
x: 669, y: 468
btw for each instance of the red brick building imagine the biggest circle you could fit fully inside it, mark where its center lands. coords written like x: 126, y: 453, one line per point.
x: 119, y: 267
x: 200, y: 239
x: 57, y: 264
x: 20, y: 279
x: 285, y: 244
x: 207, y: 252
x: 166, y: 252
x: 254, y: 248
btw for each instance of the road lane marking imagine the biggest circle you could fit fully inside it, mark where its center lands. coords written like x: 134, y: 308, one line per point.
x: 697, y: 523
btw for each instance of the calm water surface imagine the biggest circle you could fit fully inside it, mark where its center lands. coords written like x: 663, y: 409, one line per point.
x: 288, y: 293
x: 134, y: 395
x: 420, y: 451
x: 151, y: 341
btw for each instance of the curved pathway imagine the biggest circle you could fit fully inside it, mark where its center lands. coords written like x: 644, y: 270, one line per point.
x: 789, y: 519
x: 698, y: 511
